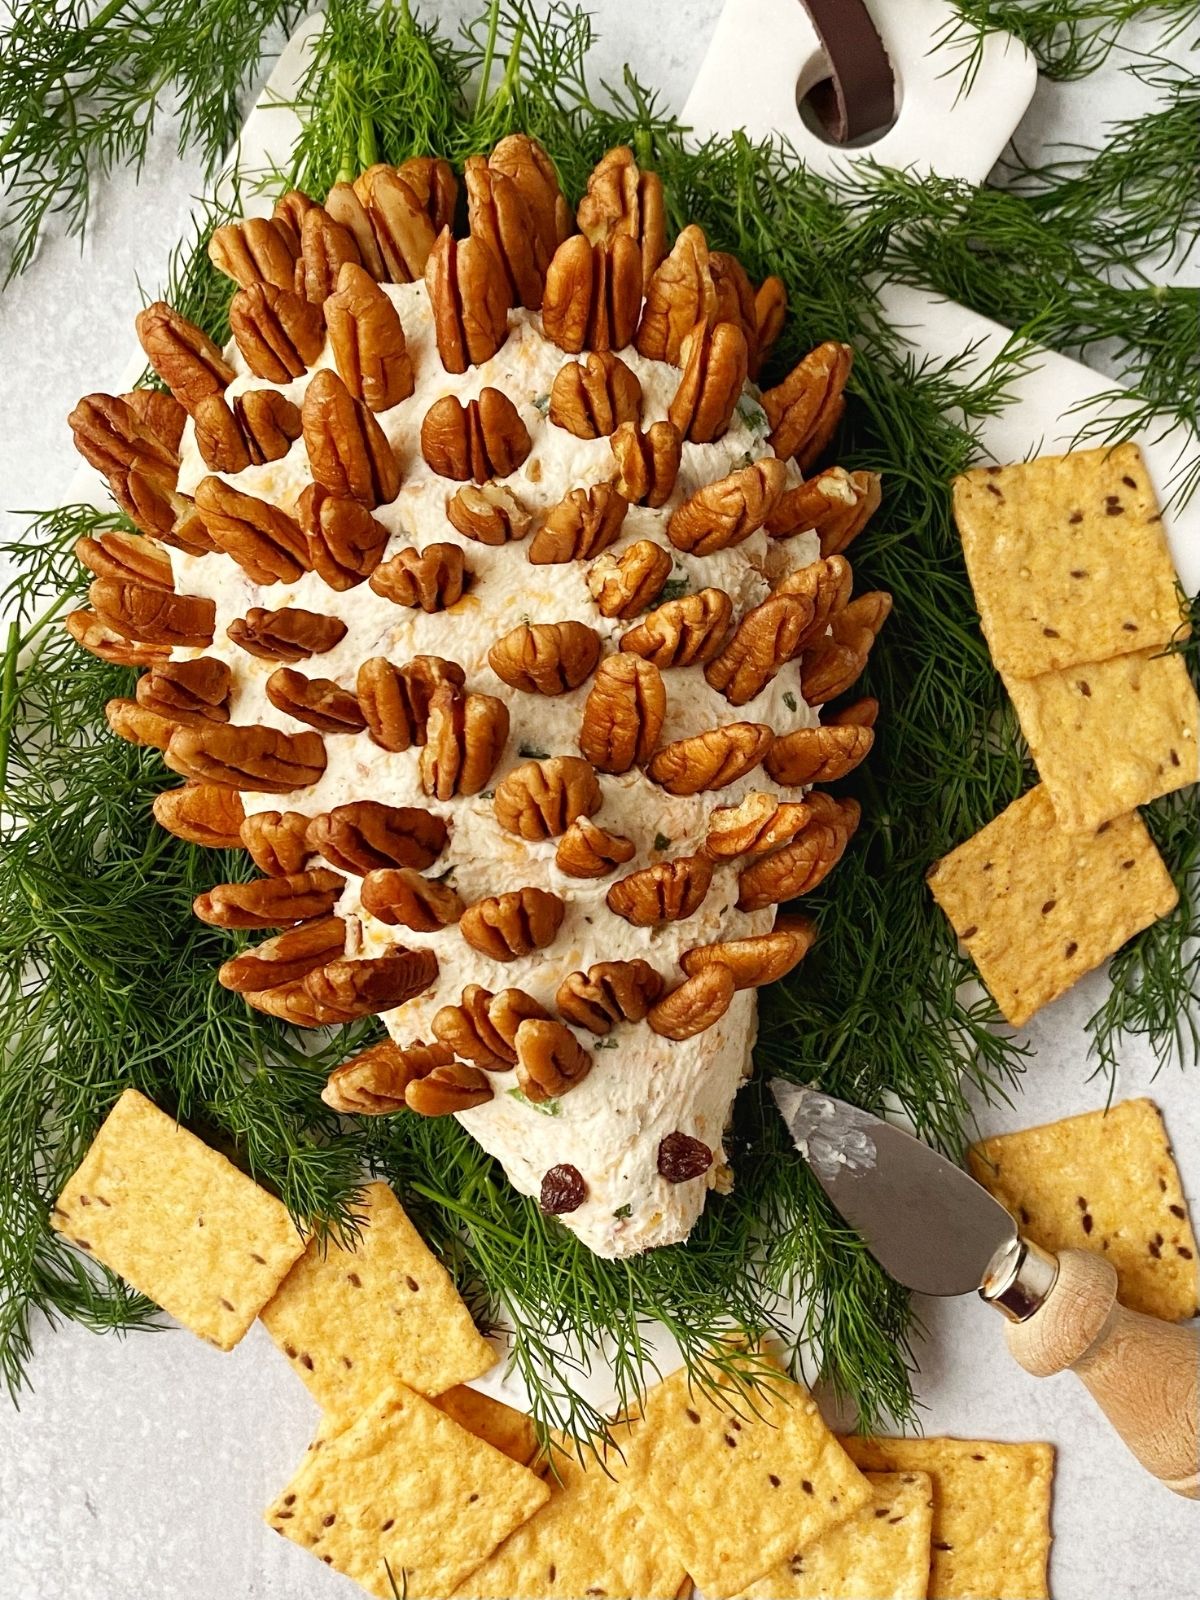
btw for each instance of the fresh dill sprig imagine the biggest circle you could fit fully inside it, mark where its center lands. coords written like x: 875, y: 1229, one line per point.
x: 1070, y: 38
x: 81, y: 89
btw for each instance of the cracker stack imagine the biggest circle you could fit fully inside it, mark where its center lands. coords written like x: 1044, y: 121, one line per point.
x: 1079, y: 603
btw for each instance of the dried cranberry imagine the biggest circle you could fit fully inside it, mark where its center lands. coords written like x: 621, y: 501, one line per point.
x: 563, y: 1189
x: 681, y: 1157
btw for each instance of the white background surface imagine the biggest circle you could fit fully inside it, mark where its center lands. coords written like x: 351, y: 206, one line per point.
x: 139, y: 1467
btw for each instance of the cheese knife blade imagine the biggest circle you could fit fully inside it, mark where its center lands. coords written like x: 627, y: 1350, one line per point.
x: 926, y: 1221
x: 936, y: 1230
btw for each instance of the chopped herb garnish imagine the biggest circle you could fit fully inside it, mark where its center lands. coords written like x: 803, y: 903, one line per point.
x: 789, y: 700
x: 548, y: 1108
x: 623, y: 1211
x: 531, y: 752
x: 542, y: 403
x: 606, y: 1044
x: 675, y: 589
x: 661, y: 842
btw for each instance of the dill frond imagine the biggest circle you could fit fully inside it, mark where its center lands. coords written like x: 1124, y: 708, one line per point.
x: 1070, y: 38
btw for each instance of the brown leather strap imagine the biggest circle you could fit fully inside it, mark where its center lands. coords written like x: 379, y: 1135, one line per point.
x: 859, y: 96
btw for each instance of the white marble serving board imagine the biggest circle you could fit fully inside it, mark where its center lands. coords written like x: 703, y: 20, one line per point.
x: 141, y: 1466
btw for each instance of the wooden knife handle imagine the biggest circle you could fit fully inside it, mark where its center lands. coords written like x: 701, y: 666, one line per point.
x: 1144, y: 1374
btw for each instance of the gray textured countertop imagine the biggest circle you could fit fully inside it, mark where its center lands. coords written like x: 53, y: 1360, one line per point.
x: 140, y: 1466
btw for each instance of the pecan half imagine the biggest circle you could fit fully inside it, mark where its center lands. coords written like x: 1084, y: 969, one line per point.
x: 715, y: 364
x: 498, y: 215
x: 287, y: 634
x: 805, y: 409
x: 541, y: 799
x: 374, y: 1082
x: 125, y: 556
x: 185, y: 528
x: 669, y: 891
x: 288, y: 214
x: 546, y: 657
x: 867, y: 611
x: 828, y: 668
x: 140, y: 725
x: 825, y: 586
x: 269, y: 422
x: 862, y: 713
x: 159, y: 414
x: 364, y: 835
x: 770, y: 312
x: 344, y: 542
x: 505, y: 927
x: 711, y: 759
x: 679, y: 295
x: 202, y: 813
x: 247, y: 757
x: 623, y: 586
x: 256, y: 250
x: 584, y: 522
x: 490, y: 514
x: 550, y: 1060
x: 347, y: 449
x: 99, y: 640
x: 398, y: 206
x: 155, y: 510
x: 608, y: 993
x: 526, y: 163
x: 757, y: 960
x: 589, y: 851
x: 593, y: 294
x: 818, y: 755
x: 184, y: 357
x: 109, y: 435
x: 363, y: 988
x: 219, y: 439
x: 757, y: 824
x: 765, y: 640
x: 466, y: 735
x: 623, y: 714
x: 800, y: 866
x: 278, y: 845
x: 472, y: 1029
x: 285, y: 958
x: 270, y: 902
x: 836, y: 505
x: 593, y: 397
x: 293, y: 1004
x: 153, y: 616
x: 187, y: 689
x: 369, y: 347
x: 695, y: 1005
x: 433, y: 578
x: 470, y: 301
x: 396, y: 700
x: 735, y: 299
x: 723, y: 514
x: 279, y: 332
x: 647, y: 463
x: 325, y: 248
x: 398, y: 895
x: 320, y: 702
x: 264, y: 541
x: 345, y: 207
x: 620, y: 199
x: 683, y: 632
x: 483, y: 439
x: 447, y: 1090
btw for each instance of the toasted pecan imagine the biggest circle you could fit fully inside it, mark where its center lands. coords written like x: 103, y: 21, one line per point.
x: 804, y: 410
x: 264, y: 541
x: 608, y: 993
x: 668, y: 891
x: 344, y: 543
x: 268, y: 422
x: 347, y: 989
x: 202, y: 813
x: 482, y: 1028
x: 396, y: 700
x: 140, y: 725
x: 109, y: 435
x: 256, y: 250
x: 835, y: 504
x: 679, y: 295
x: 593, y: 397
x: 184, y: 357
x: 759, y: 959
x: 401, y: 896
x: 550, y: 1060
x: 277, y: 842
x: 647, y: 463
x: 624, y: 585
x: 715, y: 364
x: 363, y: 835
x: 623, y: 714
x: 465, y: 738
x: 320, y: 702
x: 347, y: 449
x: 765, y: 640
x: 541, y: 799
x: 153, y: 616
x: 483, y: 439
x: 433, y: 578
x: 584, y: 522
x: 99, y: 640
x: 289, y: 633
x: 285, y: 958
x: 683, y: 632
x: 621, y: 198
x: 470, y: 301
x: 270, y: 902
x: 758, y: 823
x: 800, y: 866
x: 325, y: 248
x: 279, y: 332
x: 373, y: 1083
x: 695, y: 1005
x: 497, y: 214
x: 725, y: 513
x: 589, y: 851
x: 125, y: 556
x: 447, y: 1090
x: 505, y: 927
x: 345, y: 207
x: 525, y: 162
x: 593, y: 294
x: 489, y: 513
x: 247, y: 757
x: 711, y: 759
x: 546, y: 657
x: 818, y: 755
x: 368, y: 341
x: 770, y: 312
x: 190, y: 689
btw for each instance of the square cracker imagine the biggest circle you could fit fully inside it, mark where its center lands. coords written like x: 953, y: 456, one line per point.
x: 405, y: 1488
x: 738, y: 1481
x: 503, y: 1426
x: 591, y: 1538
x: 178, y: 1221
x: 991, y: 1512
x: 1067, y: 558
x: 1108, y: 736
x: 1103, y: 1181
x: 1038, y: 906
x: 881, y: 1550
x: 352, y: 1322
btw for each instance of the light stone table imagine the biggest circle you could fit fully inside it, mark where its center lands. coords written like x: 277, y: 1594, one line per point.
x: 138, y: 1467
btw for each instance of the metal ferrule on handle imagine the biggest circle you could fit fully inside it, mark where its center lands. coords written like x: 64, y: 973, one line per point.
x: 1020, y: 1278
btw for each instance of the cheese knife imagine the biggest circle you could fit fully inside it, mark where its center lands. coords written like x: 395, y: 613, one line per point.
x: 938, y: 1232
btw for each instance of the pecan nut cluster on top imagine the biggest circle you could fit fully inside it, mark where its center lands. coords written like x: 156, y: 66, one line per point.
x: 485, y: 600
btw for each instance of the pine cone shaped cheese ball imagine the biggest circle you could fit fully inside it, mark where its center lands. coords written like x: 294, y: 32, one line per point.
x: 478, y: 669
